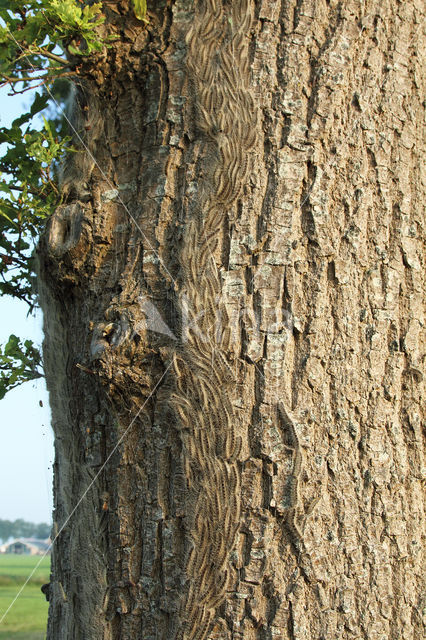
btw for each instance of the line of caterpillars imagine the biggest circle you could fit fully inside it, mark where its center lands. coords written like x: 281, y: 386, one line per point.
x: 218, y: 65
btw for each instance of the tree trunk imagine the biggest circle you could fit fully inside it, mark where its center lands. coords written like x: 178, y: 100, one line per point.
x: 232, y: 298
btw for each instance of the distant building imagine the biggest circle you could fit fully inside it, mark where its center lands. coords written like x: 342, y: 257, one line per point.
x: 26, y: 546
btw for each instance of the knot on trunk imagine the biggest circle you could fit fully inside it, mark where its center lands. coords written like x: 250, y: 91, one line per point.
x: 67, y: 232
x: 66, y: 241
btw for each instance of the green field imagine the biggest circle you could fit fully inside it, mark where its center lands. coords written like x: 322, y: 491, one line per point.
x: 27, y: 618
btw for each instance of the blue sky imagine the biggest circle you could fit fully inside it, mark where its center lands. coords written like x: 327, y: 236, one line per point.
x: 26, y: 440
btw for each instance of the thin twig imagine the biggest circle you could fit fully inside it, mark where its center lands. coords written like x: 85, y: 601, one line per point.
x: 38, y: 194
x: 53, y: 56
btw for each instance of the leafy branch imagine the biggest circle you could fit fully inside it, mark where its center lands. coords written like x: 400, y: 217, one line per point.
x: 28, y: 194
x: 18, y: 363
x: 42, y: 39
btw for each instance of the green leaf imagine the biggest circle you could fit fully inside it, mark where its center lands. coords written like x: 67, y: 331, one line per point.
x: 73, y: 50
x: 26, y: 117
x: 5, y: 188
x: 18, y: 363
x: 4, y: 215
x: 140, y: 10
x: 10, y: 348
x: 40, y: 103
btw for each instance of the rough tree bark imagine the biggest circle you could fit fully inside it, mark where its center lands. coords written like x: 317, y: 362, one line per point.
x: 232, y: 297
